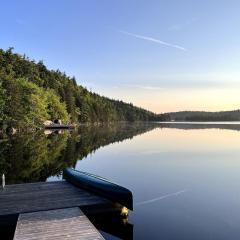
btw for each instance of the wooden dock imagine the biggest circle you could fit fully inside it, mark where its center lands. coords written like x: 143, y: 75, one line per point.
x: 58, y: 224
x: 32, y: 197
x: 49, y: 210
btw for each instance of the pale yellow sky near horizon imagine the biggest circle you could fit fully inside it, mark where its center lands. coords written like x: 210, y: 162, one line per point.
x: 201, y: 91
x: 171, y: 100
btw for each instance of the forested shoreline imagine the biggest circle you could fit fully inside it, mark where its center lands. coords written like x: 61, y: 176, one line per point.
x: 31, y: 94
x: 193, y: 116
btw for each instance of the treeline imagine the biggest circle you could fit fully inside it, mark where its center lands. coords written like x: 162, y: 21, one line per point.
x: 201, y: 116
x: 31, y: 94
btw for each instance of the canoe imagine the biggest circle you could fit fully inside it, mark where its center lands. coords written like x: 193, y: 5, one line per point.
x: 99, y: 186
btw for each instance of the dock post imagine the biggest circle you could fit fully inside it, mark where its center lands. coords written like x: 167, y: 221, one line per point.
x: 3, y: 181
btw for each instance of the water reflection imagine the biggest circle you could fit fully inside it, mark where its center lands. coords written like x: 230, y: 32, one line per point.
x: 202, y: 125
x: 36, y: 156
x: 184, y: 177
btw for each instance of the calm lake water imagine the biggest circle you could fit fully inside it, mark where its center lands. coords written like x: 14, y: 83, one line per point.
x: 185, y: 178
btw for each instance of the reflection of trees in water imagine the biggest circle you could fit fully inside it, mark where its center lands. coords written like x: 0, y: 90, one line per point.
x: 36, y: 156
x: 31, y: 157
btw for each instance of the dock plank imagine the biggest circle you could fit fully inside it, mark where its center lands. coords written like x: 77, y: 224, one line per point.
x: 59, y: 224
x: 32, y: 197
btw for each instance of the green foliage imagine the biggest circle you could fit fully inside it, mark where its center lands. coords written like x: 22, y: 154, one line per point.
x: 2, y: 102
x: 56, y: 109
x: 28, y: 105
x: 12, y: 108
x: 33, y: 104
x: 34, y: 94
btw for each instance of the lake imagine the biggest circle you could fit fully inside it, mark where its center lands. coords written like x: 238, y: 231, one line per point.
x: 185, y: 178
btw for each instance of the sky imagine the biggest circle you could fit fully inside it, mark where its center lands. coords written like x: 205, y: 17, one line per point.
x: 162, y: 55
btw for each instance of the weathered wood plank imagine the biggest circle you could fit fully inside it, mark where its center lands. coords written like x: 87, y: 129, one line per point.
x: 59, y: 224
x: 32, y: 197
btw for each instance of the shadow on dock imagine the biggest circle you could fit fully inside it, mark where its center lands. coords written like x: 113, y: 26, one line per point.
x: 7, y: 231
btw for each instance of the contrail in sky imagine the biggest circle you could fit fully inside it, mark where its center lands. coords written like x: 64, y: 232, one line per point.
x: 153, y: 40
x: 162, y: 197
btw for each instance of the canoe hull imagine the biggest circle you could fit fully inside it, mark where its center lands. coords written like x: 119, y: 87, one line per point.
x: 99, y: 186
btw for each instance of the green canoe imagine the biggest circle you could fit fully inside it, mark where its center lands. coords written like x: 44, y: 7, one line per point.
x: 100, y: 186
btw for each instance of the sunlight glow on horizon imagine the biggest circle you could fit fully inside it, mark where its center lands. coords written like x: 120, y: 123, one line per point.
x: 160, y: 101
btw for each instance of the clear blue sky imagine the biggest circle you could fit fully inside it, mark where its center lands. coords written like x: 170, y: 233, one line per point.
x: 161, y: 55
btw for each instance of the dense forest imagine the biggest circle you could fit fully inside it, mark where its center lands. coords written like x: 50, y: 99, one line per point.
x: 31, y: 94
